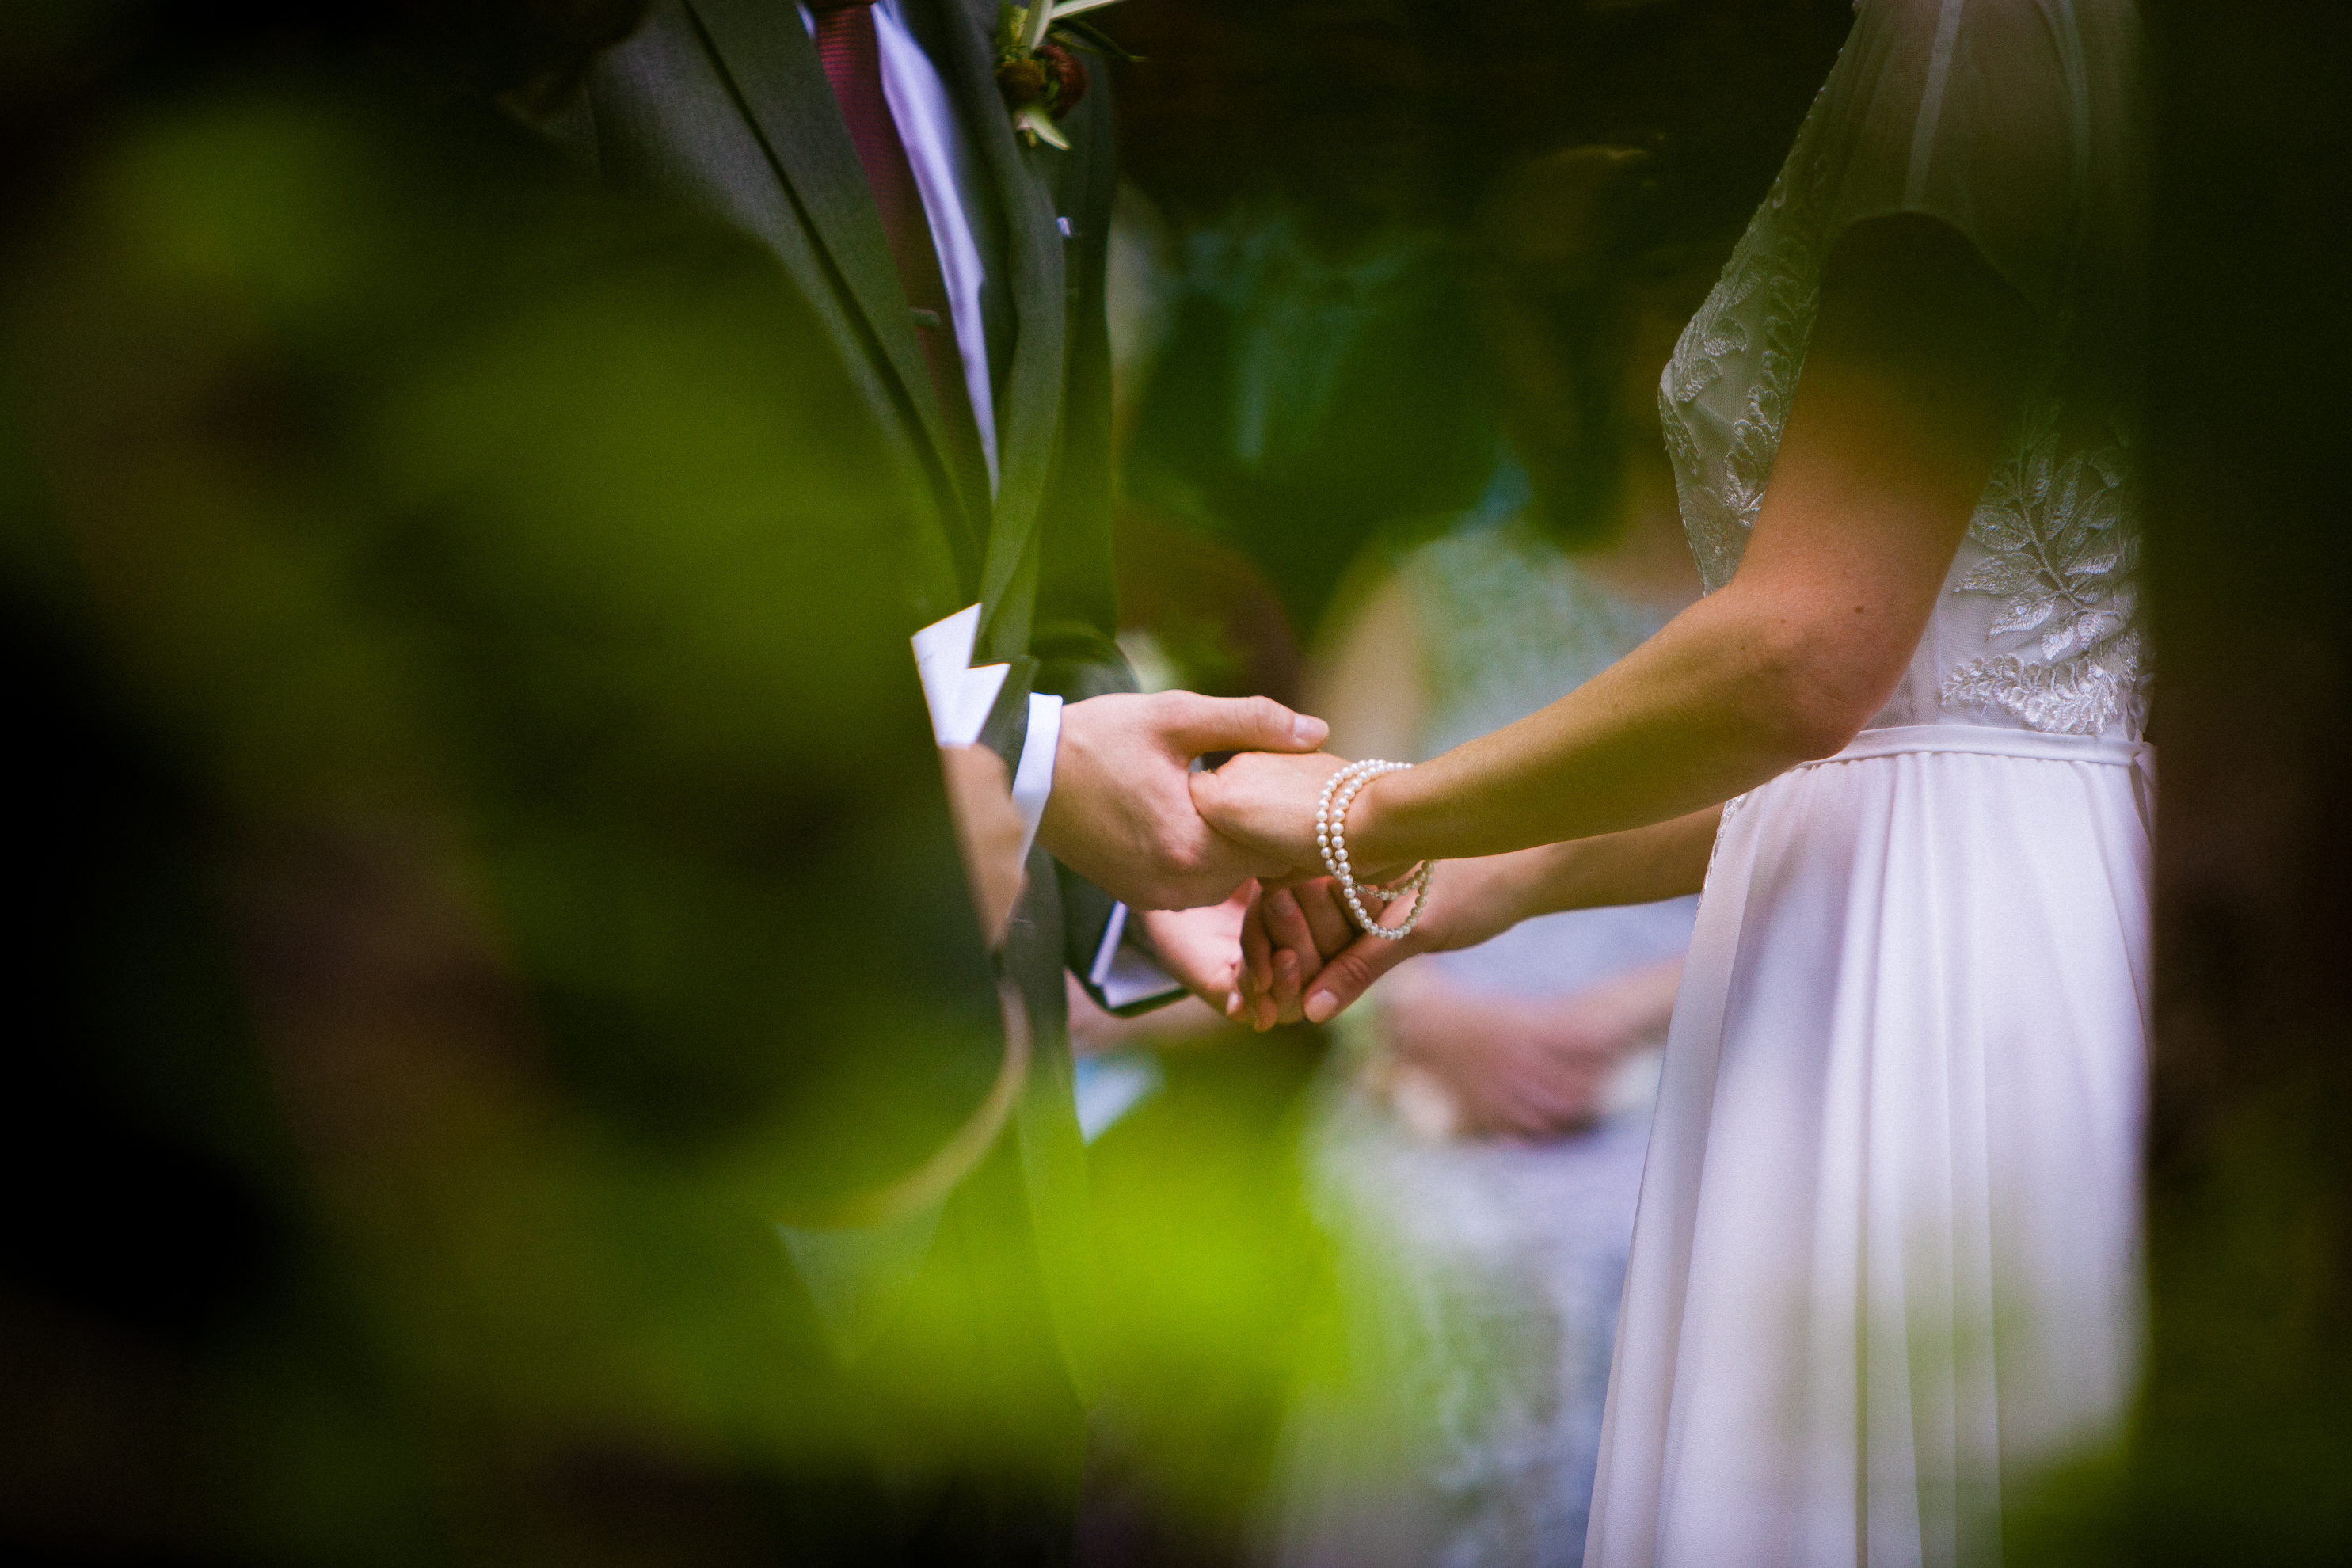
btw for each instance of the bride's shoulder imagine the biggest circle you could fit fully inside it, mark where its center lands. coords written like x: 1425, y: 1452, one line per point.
x: 2019, y: 122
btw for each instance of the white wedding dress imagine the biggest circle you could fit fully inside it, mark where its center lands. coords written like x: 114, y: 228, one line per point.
x: 1884, y: 1269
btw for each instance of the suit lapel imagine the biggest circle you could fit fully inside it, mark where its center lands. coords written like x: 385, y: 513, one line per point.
x: 1030, y: 411
x: 773, y: 64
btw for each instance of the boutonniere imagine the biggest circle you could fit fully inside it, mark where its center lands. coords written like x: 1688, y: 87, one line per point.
x: 1037, y: 65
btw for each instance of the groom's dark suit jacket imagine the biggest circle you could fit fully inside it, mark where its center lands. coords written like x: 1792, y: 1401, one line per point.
x: 723, y: 104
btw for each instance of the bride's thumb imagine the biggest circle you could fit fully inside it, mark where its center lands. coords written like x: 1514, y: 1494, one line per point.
x: 1348, y: 976
x: 1201, y: 724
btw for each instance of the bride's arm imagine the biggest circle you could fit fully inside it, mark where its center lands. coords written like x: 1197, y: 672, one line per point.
x: 1910, y: 381
x: 1331, y: 965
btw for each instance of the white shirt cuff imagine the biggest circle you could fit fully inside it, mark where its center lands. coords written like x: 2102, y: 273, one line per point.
x: 1032, y: 780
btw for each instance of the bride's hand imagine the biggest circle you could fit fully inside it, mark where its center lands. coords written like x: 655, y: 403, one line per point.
x: 1286, y: 936
x: 1303, y: 956
x: 1266, y: 802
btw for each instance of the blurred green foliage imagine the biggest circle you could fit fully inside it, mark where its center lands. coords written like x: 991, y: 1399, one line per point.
x: 1216, y: 1296
x: 516, y: 582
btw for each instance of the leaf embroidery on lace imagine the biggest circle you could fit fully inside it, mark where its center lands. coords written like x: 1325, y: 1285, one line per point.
x: 2081, y: 697
x: 2057, y: 523
x: 2061, y: 552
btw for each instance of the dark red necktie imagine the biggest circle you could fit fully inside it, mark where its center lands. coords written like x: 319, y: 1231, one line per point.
x: 852, y: 57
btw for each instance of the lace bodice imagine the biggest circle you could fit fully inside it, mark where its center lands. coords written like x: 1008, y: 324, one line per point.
x: 2016, y: 122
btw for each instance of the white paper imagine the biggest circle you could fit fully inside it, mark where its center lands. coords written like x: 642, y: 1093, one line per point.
x: 1136, y: 976
x: 958, y: 696
x: 1114, y: 933
x: 943, y: 659
x: 974, y: 697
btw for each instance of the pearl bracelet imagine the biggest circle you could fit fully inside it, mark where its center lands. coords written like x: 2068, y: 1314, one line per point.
x: 1331, y: 838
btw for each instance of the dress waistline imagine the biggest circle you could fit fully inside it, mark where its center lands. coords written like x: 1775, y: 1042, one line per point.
x: 1980, y: 740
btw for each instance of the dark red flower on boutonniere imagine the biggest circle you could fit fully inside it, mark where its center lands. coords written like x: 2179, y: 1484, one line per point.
x: 1037, y: 66
x: 1069, y: 76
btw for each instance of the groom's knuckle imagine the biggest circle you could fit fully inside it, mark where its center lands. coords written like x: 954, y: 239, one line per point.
x: 1263, y: 716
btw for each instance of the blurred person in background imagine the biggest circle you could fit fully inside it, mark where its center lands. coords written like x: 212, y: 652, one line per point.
x: 1315, y: 382
x: 1478, y: 1163
x: 1317, y: 162
x: 1883, y: 1274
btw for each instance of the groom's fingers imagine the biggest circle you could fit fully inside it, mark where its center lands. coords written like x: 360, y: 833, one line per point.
x: 1350, y: 975
x: 1300, y: 957
x: 1257, y: 947
x: 1262, y: 968
x: 1283, y: 1000
x: 1195, y: 724
x: 1324, y: 915
x: 1287, y: 924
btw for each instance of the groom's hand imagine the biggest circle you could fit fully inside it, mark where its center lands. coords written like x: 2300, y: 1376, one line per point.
x: 1121, y: 813
x: 1201, y: 949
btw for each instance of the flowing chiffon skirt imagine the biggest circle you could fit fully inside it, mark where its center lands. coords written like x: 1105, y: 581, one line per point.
x: 1884, y: 1266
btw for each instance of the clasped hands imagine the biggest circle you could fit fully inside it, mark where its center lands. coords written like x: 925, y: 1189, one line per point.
x: 1221, y: 867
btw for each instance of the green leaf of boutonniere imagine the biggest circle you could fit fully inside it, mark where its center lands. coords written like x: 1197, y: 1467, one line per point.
x: 1033, y: 121
x: 1092, y: 39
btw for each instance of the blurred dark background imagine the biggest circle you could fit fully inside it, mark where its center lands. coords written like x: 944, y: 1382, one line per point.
x: 1312, y: 171
x: 2242, y: 1446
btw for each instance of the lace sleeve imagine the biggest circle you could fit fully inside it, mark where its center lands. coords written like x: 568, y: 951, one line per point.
x: 2015, y: 121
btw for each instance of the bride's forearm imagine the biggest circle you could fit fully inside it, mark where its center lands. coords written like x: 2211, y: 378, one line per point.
x: 1893, y: 427
x: 1639, y: 865
x: 1725, y: 697
x: 1479, y: 899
